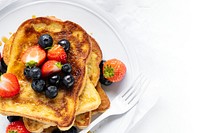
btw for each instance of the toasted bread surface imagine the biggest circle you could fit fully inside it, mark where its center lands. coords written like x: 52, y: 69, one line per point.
x: 34, y: 126
x: 84, y: 119
x: 61, y: 110
x: 93, y: 63
x: 105, y: 102
x: 7, y: 49
x: 90, y: 99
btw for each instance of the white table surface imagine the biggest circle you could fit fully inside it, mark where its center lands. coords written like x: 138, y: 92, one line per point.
x: 166, y: 36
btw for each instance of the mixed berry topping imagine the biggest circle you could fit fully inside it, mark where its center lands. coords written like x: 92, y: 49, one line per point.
x: 34, y: 56
x: 102, y: 79
x: 47, y: 66
x: 9, y: 85
x: 45, y: 41
x: 27, y: 72
x: 38, y: 85
x: 112, y: 70
x: 50, y: 67
x: 55, y: 80
x: 60, y: 56
x: 35, y: 73
x: 68, y: 81
x: 66, y: 68
x: 65, y: 44
x: 13, y: 118
x: 51, y: 91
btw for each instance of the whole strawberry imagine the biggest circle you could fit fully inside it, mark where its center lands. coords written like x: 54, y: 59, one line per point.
x: 9, y: 85
x: 50, y: 67
x: 114, y: 70
x: 57, y: 53
x: 16, y: 127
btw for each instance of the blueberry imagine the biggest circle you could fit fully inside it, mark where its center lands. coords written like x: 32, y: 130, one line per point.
x: 3, y: 66
x: 51, y: 91
x: 71, y: 130
x: 54, y: 80
x: 35, y: 73
x: 68, y: 81
x: 27, y: 72
x: 66, y: 68
x: 56, y: 131
x: 13, y: 118
x: 45, y: 41
x: 101, y: 63
x: 38, y: 85
x: 65, y: 44
x: 104, y: 81
x: 2, y: 70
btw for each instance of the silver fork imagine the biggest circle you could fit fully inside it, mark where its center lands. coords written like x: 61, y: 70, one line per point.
x: 126, y: 100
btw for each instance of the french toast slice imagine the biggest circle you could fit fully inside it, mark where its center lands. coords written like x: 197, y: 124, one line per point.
x: 82, y: 120
x: 105, y: 102
x: 61, y: 110
x: 89, y: 100
x: 93, y: 63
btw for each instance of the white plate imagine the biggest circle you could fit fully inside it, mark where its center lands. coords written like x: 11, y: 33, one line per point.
x: 96, y: 22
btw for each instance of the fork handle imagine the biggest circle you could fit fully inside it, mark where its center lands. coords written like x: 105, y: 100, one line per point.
x: 96, y: 121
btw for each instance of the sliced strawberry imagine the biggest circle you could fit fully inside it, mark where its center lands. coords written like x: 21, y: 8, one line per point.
x: 9, y: 85
x: 50, y: 67
x: 57, y: 53
x: 16, y: 127
x: 34, y: 55
x: 114, y: 70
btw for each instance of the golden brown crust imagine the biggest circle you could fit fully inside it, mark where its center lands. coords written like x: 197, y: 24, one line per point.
x: 34, y: 126
x: 83, y: 120
x: 89, y: 100
x: 105, y: 102
x: 7, y: 49
x: 93, y: 63
x: 61, y: 110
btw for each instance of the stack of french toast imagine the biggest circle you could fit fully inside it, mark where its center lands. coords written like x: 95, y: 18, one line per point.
x: 71, y: 107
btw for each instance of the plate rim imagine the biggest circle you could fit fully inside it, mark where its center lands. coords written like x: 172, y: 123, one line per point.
x: 94, y: 9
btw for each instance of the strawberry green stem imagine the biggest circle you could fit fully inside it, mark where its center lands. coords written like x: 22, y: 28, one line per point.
x: 108, y: 72
x: 31, y: 63
x: 13, y: 131
x: 59, y: 65
x: 47, y: 48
